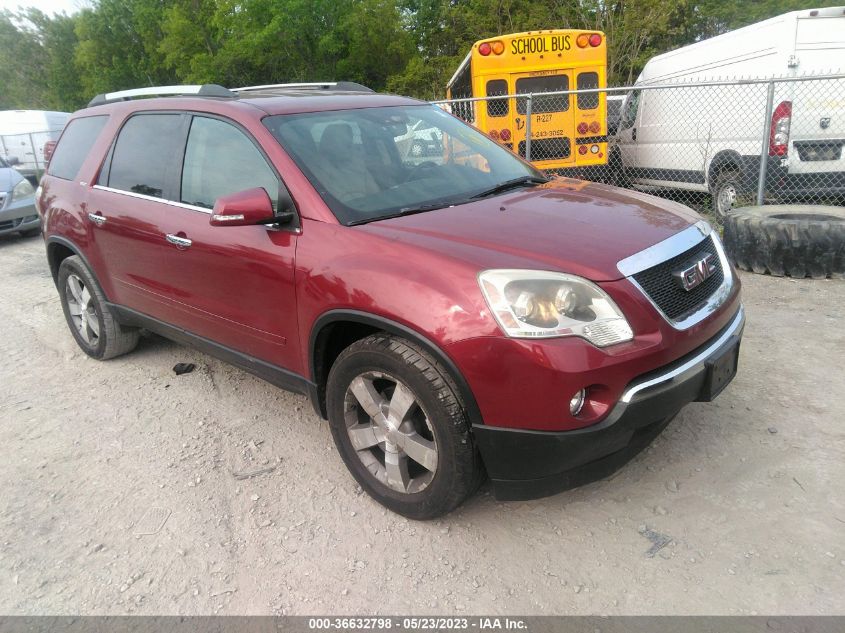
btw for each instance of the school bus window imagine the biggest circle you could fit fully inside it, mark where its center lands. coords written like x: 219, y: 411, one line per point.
x: 588, y: 81
x: 497, y: 107
x: 541, y: 104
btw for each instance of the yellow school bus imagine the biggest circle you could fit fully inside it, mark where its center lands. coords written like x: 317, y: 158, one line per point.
x: 567, y: 131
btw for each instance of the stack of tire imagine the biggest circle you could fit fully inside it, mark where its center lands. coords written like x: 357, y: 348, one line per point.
x: 795, y: 240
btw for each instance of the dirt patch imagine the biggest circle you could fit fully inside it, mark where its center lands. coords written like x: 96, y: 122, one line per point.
x: 128, y: 489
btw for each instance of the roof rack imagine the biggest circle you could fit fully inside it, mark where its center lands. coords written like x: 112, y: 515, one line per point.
x: 321, y: 85
x: 204, y: 90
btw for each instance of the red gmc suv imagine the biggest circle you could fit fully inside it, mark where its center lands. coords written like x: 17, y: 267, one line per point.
x: 454, y: 315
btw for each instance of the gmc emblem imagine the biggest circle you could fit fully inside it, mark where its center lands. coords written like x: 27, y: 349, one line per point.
x: 696, y: 271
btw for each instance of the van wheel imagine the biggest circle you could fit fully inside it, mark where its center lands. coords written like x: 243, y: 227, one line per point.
x: 400, y: 427
x: 727, y: 193
x: 92, y: 324
x: 795, y: 240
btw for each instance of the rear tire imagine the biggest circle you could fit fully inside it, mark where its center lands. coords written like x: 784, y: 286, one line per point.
x: 413, y: 449
x: 794, y: 240
x: 91, y: 323
x: 727, y: 192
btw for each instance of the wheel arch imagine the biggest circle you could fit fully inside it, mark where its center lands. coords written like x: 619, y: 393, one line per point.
x: 335, y: 330
x: 729, y: 159
x: 58, y: 250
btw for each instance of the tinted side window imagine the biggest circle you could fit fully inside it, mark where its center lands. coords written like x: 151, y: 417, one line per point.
x: 220, y: 160
x: 76, y: 142
x: 590, y: 100
x: 540, y: 104
x: 497, y: 107
x: 143, y: 153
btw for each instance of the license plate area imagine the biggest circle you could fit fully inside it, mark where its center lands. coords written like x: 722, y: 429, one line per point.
x: 811, y: 151
x: 721, y: 369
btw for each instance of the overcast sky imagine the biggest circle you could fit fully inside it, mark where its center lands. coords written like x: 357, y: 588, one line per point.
x: 47, y: 6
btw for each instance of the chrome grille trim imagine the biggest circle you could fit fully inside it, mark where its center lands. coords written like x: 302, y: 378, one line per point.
x: 664, y: 250
x: 671, y: 247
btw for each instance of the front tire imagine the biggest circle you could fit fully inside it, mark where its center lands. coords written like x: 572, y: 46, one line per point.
x: 91, y: 323
x: 400, y: 427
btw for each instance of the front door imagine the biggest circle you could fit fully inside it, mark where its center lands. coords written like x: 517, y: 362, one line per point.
x: 625, y: 141
x: 230, y: 285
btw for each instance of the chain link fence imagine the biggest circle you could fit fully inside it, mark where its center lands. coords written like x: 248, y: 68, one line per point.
x: 713, y: 146
x: 25, y: 151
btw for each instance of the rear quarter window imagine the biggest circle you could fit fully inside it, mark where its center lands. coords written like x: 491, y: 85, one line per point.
x: 73, y: 148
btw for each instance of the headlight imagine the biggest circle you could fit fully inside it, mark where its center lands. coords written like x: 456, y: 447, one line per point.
x: 542, y: 304
x: 22, y: 190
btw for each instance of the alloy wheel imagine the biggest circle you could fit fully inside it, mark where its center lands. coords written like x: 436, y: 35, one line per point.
x: 83, y: 311
x: 390, y: 432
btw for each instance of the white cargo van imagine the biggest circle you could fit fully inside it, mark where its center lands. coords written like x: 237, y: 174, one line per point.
x: 23, y: 134
x: 710, y: 138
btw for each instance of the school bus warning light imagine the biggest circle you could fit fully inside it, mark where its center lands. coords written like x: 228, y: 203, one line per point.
x: 497, y: 48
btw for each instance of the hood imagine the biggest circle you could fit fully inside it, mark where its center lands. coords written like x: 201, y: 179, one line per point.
x: 566, y: 225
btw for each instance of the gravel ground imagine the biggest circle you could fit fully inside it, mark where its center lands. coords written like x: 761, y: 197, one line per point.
x: 121, y: 495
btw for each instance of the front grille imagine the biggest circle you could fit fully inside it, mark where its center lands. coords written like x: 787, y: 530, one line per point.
x: 11, y: 224
x: 2, y: 200
x: 547, y: 148
x: 675, y: 302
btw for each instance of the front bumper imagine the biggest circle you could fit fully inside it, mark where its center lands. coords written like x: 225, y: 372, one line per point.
x: 531, y: 464
x: 19, y: 215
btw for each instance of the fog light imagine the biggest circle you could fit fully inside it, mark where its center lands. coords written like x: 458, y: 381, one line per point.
x: 577, y: 402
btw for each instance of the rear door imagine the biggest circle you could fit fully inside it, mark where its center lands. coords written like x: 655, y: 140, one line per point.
x: 552, y: 118
x: 817, y: 127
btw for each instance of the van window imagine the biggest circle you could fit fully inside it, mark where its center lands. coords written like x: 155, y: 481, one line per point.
x: 540, y: 104
x: 76, y: 142
x: 220, y: 160
x: 497, y: 107
x: 141, y: 157
x: 588, y: 81
x: 629, y: 112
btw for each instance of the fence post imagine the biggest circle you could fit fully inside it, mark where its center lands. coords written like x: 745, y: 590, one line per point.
x: 527, y: 129
x: 764, y: 147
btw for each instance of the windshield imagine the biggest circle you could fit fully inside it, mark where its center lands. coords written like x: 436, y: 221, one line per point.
x: 375, y: 163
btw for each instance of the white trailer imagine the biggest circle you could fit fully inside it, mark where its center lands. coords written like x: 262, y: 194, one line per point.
x: 710, y: 138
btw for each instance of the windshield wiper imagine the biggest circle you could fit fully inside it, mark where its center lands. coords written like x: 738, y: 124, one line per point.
x: 405, y: 211
x: 511, y: 184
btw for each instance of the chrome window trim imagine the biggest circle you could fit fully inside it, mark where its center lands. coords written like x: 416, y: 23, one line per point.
x: 669, y: 248
x: 735, y: 326
x: 141, y: 196
x: 664, y: 250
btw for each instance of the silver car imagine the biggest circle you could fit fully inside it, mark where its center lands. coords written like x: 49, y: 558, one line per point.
x: 17, y: 203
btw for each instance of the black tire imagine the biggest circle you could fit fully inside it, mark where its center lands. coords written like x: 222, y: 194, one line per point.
x: 794, y: 240
x: 728, y: 193
x: 459, y: 470
x: 112, y: 339
x: 616, y: 170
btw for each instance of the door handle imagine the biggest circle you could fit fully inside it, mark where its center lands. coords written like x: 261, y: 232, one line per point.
x: 634, y: 134
x: 97, y: 219
x: 181, y: 242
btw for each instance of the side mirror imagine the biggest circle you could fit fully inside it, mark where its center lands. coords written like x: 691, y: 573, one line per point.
x: 246, y: 208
